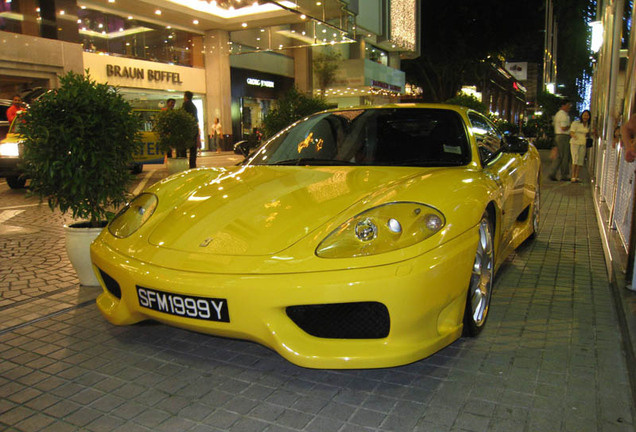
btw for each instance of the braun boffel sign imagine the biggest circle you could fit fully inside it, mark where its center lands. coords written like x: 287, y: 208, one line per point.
x: 142, y: 74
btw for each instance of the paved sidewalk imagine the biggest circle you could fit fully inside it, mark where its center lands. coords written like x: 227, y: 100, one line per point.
x: 550, y: 358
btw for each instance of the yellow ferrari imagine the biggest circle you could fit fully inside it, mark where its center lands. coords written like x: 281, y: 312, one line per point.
x: 355, y: 238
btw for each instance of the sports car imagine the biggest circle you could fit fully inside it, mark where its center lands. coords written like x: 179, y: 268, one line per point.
x: 355, y: 238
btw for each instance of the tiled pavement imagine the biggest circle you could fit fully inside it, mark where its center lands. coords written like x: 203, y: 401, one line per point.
x: 550, y: 358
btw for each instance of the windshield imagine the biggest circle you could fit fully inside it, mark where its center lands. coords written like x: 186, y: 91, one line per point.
x: 381, y: 136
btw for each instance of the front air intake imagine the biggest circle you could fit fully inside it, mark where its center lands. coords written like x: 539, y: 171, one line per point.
x: 111, y: 284
x: 363, y: 320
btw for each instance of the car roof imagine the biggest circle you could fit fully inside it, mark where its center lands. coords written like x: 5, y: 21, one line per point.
x: 457, y: 108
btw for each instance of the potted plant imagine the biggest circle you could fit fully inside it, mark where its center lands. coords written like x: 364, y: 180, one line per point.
x: 177, y: 130
x: 79, y: 142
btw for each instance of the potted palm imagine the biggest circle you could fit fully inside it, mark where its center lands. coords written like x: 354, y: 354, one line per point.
x: 177, y: 129
x: 79, y: 142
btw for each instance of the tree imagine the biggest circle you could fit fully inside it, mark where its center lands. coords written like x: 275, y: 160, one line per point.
x: 459, y: 36
x: 573, y: 60
x: 177, y: 129
x: 468, y: 102
x: 325, y: 66
x: 79, y: 143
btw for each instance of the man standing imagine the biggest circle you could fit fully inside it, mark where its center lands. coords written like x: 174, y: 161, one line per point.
x: 15, y: 108
x: 192, y: 110
x: 561, y: 123
x: 169, y: 106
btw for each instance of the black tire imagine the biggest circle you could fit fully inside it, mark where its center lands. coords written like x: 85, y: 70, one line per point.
x: 16, y: 182
x: 137, y: 168
x: 481, y: 281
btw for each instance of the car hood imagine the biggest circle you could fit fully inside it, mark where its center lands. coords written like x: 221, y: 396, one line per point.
x: 262, y: 210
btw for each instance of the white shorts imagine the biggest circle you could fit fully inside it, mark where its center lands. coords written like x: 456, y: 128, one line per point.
x: 578, y: 154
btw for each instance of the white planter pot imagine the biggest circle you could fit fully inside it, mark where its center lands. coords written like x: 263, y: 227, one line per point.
x: 78, y: 242
x: 177, y: 165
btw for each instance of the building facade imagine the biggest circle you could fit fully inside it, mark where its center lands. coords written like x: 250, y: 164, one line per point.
x: 613, y: 103
x: 237, y: 56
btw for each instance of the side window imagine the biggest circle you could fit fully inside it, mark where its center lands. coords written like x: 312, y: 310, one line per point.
x: 487, y: 136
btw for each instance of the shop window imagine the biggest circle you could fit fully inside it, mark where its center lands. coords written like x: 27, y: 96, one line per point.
x: 253, y: 114
x: 116, y: 35
x: 51, y: 20
x: 376, y: 54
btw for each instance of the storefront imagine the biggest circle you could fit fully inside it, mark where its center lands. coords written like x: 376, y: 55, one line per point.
x: 252, y: 96
x: 147, y: 85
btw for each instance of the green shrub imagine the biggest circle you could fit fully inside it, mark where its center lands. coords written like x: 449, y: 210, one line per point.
x: 468, y: 101
x: 292, y: 107
x: 79, y: 142
x: 176, y: 129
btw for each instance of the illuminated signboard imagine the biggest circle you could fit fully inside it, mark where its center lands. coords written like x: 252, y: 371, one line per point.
x: 140, y: 73
x: 260, y: 83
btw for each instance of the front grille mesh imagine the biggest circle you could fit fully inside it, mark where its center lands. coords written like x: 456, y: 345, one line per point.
x: 361, y: 320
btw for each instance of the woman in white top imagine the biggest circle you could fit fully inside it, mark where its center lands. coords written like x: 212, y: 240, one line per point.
x: 579, y: 132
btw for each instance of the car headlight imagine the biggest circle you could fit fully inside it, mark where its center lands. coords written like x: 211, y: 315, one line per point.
x: 382, y: 229
x: 10, y: 149
x: 133, y: 216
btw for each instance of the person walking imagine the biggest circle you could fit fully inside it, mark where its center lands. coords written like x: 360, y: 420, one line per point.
x: 192, y: 110
x: 561, y: 123
x: 579, y: 132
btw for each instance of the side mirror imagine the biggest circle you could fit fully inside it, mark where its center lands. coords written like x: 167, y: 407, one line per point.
x: 242, y: 148
x: 515, y: 144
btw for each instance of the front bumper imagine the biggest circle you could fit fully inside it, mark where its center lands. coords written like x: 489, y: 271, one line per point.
x: 424, y: 297
x: 9, y: 166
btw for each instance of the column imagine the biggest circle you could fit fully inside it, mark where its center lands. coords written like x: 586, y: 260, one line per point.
x: 303, y: 74
x: 218, y: 101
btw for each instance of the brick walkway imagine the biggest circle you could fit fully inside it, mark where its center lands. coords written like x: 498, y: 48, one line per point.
x: 550, y: 358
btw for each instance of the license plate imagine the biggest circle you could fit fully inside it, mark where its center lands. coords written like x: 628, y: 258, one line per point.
x: 203, y: 308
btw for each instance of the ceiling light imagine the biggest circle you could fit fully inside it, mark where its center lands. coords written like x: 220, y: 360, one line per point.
x: 158, y: 12
x: 244, y: 25
x: 195, y: 22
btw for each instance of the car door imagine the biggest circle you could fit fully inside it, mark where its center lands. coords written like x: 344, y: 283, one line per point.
x: 504, y: 168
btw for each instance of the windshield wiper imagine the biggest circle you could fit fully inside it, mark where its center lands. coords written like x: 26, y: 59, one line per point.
x: 312, y: 161
x: 424, y: 163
